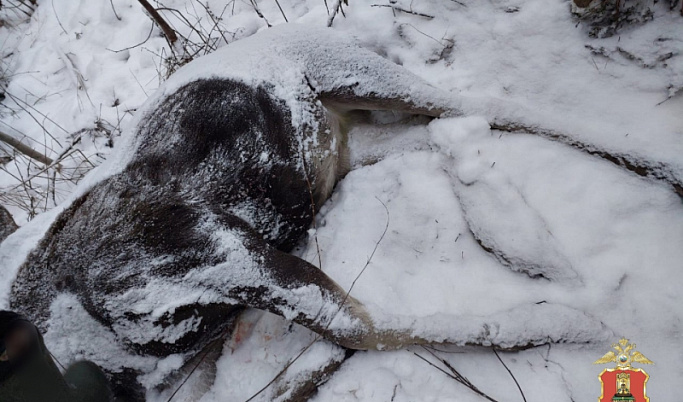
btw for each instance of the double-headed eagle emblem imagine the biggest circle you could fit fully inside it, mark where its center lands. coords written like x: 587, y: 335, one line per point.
x: 624, y: 356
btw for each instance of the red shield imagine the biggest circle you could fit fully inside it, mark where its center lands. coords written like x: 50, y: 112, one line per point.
x: 626, y: 385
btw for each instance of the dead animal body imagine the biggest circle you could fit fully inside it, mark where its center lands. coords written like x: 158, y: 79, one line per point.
x: 200, y: 221
x: 222, y: 175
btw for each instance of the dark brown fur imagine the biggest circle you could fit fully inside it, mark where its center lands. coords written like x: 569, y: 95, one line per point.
x: 197, y: 160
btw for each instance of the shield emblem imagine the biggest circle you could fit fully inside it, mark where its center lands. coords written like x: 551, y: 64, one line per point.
x: 623, y: 385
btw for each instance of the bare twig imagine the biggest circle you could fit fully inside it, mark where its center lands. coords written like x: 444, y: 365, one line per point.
x: 259, y: 13
x: 281, y: 11
x: 151, y: 29
x: 454, y: 374
x: 199, y: 362
x: 179, y: 14
x: 57, y: 17
x: 341, y: 305
x: 79, y: 80
x: 403, y: 10
x: 19, y: 103
x: 313, y: 212
x: 138, y: 81
x: 25, y: 149
x: 511, y: 375
x: 216, y: 20
x: 113, y: 9
x: 14, y: 7
x: 284, y: 369
x: 335, y: 9
x: 36, y: 187
x: 169, y: 33
x: 429, y: 36
x: 203, y: 35
x: 386, y: 227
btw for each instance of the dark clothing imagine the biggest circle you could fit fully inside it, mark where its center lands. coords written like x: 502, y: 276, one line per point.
x: 33, y: 376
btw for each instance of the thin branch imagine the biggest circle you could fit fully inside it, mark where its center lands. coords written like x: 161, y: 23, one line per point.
x: 284, y: 369
x: 386, y: 227
x: 403, y: 10
x: 313, y: 212
x: 163, y: 25
x: 18, y: 7
x: 17, y: 100
x: 511, y: 375
x: 346, y: 297
x: 199, y: 362
x: 283, y: 13
x: 258, y: 12
x: 57, y: 17
x: 25, y: 149
x: 216, y: 20
x: 180, y: 15
x: 139, y: 84
x: 112, y: 7
x: 454, y: 374
x: 335, y: 9
x: 429, y: 36
x: 151, y: 29
x: 434, y: 365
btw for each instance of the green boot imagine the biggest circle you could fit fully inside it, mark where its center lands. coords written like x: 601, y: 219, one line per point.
x: 28, y: 372
x: 89, y: 382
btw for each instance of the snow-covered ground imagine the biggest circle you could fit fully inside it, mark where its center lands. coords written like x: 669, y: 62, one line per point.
x: 606, y: 241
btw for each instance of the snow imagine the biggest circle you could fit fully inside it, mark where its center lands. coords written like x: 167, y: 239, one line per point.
x: 586, y: 252
x: 267, y: 330
x: 95, y: 343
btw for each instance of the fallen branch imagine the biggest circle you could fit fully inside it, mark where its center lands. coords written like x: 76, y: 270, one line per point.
x: 25, y: 149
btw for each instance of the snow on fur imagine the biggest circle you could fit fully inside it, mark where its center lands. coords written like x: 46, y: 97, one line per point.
x: 607, y: 241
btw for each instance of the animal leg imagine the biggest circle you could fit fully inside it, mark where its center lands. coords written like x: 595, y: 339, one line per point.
x: 348, y: 77
x: 307, y: 296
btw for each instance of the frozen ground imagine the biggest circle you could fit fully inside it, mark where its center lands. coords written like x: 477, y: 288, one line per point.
x: 605, y: 241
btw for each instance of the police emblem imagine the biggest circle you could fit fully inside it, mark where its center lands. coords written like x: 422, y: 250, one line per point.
x: 623, y: 383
